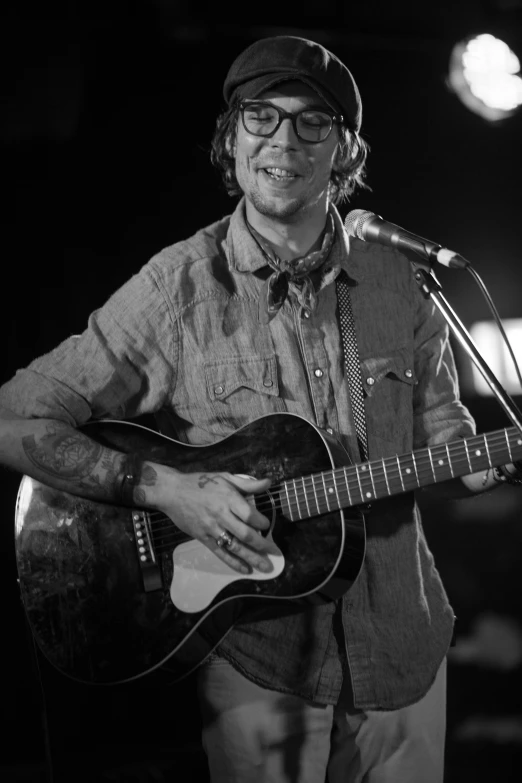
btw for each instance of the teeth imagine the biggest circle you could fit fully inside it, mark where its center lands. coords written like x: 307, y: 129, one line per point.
x: 281, y: 173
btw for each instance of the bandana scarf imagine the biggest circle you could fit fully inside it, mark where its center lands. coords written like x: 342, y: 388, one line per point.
x: 291, y: 276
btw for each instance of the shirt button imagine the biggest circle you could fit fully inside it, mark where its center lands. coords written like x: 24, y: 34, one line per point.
x: 329, y: 430
x: 408, y: 373
x: 268, y: 382
x: 370, y: 381
x: 306, y: 314
x: 318, y: 373
x: 219, y: 389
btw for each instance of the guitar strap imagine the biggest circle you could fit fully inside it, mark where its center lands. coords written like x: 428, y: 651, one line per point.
x: 352, y: 361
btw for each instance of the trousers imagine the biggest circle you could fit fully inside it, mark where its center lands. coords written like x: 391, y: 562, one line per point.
x: 255, y: 735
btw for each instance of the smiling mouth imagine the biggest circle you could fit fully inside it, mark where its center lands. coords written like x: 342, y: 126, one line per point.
x: 281, y: 175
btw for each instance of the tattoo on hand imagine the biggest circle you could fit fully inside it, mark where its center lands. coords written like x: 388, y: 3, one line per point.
x: 148, y: 479
x: 205, y: 479
x: 148, y: 476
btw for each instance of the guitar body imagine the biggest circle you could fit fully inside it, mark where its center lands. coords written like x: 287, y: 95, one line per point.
x: 100, y: 615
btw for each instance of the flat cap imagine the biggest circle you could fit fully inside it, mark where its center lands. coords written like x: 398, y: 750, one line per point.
x: 269, y: 61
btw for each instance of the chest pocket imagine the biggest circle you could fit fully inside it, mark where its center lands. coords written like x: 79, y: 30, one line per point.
x: 242, y: 389
x: 397, y: 366
x: 388, y: 382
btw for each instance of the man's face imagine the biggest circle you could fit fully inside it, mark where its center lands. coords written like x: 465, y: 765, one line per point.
x: 300, y: 189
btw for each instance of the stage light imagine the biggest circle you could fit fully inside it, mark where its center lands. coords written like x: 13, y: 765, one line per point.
x: 483, y: 73
x: 488, y: 340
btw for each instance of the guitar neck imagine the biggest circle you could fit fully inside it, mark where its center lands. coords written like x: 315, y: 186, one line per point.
x: 368, y: 481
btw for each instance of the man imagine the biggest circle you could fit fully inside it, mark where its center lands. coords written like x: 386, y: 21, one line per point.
x: 242, y: 320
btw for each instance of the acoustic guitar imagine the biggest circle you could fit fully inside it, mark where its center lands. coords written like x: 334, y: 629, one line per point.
x: 112, y: 594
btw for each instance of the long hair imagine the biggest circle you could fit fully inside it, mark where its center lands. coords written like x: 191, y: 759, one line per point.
x: 348, y: 171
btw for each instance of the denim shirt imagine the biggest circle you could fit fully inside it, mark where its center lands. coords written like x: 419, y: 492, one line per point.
x: 183, y: 339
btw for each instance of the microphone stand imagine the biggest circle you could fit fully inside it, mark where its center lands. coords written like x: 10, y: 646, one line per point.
x: 431, y: 288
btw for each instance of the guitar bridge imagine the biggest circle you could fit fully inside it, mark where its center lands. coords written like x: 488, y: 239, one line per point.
x: 150, y: 570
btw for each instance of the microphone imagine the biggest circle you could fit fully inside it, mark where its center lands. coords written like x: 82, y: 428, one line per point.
x: 372, y: 228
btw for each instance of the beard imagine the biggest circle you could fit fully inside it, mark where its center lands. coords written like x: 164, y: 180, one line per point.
x: 287, y: 211
x: 285, y: 208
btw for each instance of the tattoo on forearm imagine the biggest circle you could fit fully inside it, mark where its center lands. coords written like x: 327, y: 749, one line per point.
x: 62, y: 452
x: 68, y: 455
x: 111, y: 462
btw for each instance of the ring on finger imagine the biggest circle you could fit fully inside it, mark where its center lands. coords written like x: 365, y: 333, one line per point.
x: 225, y: 540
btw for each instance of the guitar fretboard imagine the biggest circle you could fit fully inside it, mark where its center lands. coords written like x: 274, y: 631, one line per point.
x: 365, y: 482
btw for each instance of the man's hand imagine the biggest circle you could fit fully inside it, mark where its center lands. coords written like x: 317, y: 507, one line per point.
x: 205, y: 505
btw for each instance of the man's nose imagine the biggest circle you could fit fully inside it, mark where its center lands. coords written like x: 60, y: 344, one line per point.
x: 285, y: 135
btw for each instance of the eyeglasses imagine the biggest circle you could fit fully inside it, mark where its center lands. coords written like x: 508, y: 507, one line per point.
x: 310, y: 125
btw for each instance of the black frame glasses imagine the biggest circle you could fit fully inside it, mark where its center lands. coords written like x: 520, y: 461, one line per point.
x: 292, y: 116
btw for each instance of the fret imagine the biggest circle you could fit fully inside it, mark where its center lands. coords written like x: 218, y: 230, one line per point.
x: 285, y: 485
x: 400, y: 473
x: 361, y: 493
x: 467, y: 455
x: 371, y: 479
x: 319, y: 504
x: 431, y: 464
x: 441, y: 466
x: 415, y: 467
x: 479, y: 454
x: 363, y: 467
x: 392, y: 475
x: 385, y: 477
x: 326, y: 492
x: 339, y: 504
x: 509, y: 446
x: 487, y: 451
x: 308, y: 509
x: 407, y: 472
x: 449, y: 460
x: 347, y: 484
x: 297, y: 483
x: 330, y: 482
x: 305, y: 498
x: 297, y: 500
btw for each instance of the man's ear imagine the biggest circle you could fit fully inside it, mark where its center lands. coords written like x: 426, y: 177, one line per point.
x: 343, y: 152
x: 337, y: 158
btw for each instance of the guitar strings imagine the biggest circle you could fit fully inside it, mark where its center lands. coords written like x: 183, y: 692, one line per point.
x: 300, y: 492
x: 422, y: 468
x: 166, y: 536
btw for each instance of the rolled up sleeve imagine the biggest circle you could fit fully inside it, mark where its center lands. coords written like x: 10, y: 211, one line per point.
x: 123, y: 364
x: 439, y: 415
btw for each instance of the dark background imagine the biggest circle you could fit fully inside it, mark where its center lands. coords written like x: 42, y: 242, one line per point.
x: 108, y: 110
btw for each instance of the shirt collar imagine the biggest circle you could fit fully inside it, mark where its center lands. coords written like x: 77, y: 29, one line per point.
x: 245, y: 255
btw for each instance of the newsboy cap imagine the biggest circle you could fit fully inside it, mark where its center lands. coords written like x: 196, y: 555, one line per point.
x: 269, y: 61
